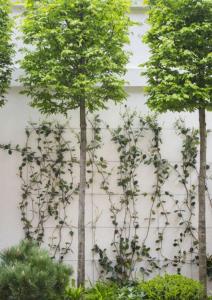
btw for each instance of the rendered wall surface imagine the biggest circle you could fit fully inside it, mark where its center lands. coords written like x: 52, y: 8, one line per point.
x: 14, y: 118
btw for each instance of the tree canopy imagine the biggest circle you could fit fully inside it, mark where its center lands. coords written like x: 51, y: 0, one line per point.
x: 179, y: 69
x: 77, y: 52
x: 6, y: 49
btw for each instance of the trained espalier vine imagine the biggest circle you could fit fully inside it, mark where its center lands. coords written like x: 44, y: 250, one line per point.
x: 182, y: 209
x: 47, y: 192
x: 186, y: 208
x: 124, y: 216
x: 49, y: 185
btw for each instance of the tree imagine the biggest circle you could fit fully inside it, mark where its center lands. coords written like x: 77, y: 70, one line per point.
x: 179, y: 76
x: 6, y: 49
x: 76, y: 61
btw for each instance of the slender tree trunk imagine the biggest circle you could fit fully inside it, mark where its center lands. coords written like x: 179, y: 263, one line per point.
x: 202, y: 185
x: 81, y: 212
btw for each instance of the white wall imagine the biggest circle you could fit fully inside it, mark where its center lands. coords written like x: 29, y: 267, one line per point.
x: 15, y: 116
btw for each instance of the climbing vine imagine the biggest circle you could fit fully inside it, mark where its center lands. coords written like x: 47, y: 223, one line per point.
x: 128, y: 248
x: 185, y: 209
x: 47, y: 192
x: 158, y: 196
x: 139, y: 235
